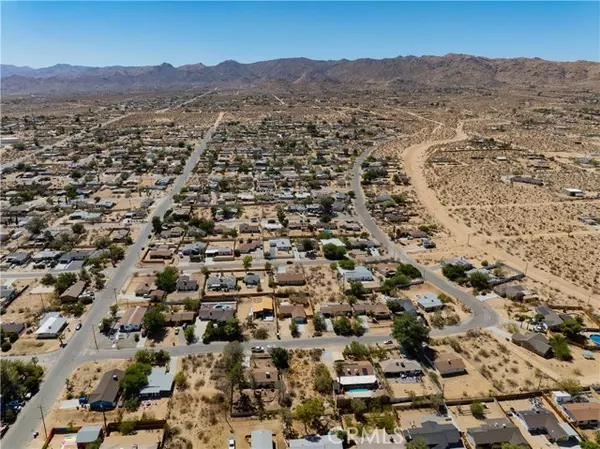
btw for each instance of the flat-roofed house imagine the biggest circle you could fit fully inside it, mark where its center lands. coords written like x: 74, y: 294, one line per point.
x: 436, y: 436
x: 290, y: 279
x: 51, y: 326
x: 401, y: 368
x: 160, y: 384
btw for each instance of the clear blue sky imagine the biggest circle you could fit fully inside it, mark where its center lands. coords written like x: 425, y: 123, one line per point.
x: 104, y: 33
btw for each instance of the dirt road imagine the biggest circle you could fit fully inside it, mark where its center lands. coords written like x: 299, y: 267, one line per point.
x: 414, y: 158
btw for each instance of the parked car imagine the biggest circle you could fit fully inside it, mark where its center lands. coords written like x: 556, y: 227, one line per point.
x: 231, y: 442
x: 78, y: 326
x: 257, y: 349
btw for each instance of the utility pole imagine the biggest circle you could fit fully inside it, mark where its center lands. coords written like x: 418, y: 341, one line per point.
x: 115, y: 294
x: 468, y: 239
x: 94, y: 335
x: 43, y: 421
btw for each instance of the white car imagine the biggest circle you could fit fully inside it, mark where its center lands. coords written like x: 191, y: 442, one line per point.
x: 231, y: 442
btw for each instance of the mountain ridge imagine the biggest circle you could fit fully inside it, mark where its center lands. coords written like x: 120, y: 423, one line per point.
x: 451, y: 70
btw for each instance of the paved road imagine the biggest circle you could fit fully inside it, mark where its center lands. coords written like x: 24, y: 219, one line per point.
x: 65, y: 360
x: 483, y: 316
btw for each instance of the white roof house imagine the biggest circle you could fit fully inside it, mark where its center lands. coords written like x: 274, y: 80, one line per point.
x: 51, y: 325
x: 333, y: 241
x: 357, y: 380
x: 359, y: 273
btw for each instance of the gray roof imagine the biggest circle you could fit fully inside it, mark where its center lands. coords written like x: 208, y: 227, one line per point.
x: 261, y: 439
x: 543, y: 419
x: 437, y: 436
x: 397, y: 366
x: 158, y: 381
x: 550, y: 316
x: 427, y: 300
x: 316, y: 442
x: 497, y: 431
x: 223, y: 281
x: 359, y: 273
x: 536, y: 342
x: 88, y: 434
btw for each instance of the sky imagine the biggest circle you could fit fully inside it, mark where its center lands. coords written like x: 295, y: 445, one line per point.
x: 39, y: 34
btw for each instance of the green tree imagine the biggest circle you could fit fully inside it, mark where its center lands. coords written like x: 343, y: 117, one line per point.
x: 48, y: 280
x: 342, y: 326
x: 319, y: 323
x: 569, y: 385
x: 166, y: 280
x: 233, y: 353
x: 78, y: 228
x: 157, y: 225
x: 154, y: 321
x: 323, y: 380
x: 180, y: 381
x: 294, y: 329
x: 135, y: 378
x: 417, y: 443
x: 358, y: 408
x: 189, y: 334
x: 356, y: 351
x: 36, y: 224
x: 357, y: 289
x: 64, y: 281
x: 347, y: 264
x: 309, y: 412
x: 281, y: 358
x: 455, y: 273
x: 478, y: 410
x: 247, y: 262
x: 333, y: 252
x: 479, y: 280
x: 560, y: 347
x: 126, y: 428
x: 116, y: 254
x: 572, y: 327
x: 410, y: 332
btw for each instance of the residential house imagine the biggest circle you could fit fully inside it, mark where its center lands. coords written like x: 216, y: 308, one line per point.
x: 87, y: 435
x: 104, y: 397
x: 450, y: 365
x: 73, y: 293
x: 217, y: 311
x: 132, y: 319
x: 357, y: 375
x: 219, y: 251
x: 160, y: 384
x: 429, y: 302
x: 157, y: 295
x: 536, y: 343
x: 336, y: 310
x: 185, y: 284
x: 542, y: 421
x: 386, y: 269
x: 221, y: 283
x: 405, y: 305
x: 247, y: 228
x: 359, y: 273
x: 18, y: 258
x: 247, y: 248
x: 12, y: 328
x: 263, y: 309
x: 552, y: 319
x: 51, y: 325
x: 290, y: 279
x: 293, y: 311
x: 263, y: 377
x: 261, y: 439
x: 180, y: 318
x: 316, y: 442
x: 7, y: 295
x: 251, y: 280
x: 144, y: 290
x: 377, y: 311
x: 436, y: 436
x: 495, y: 432
x: 514, y: 292
x: 281, y: 244
x: 193, y: 249
x: 401, y: 368
x: 76, y: 255
x: 584, y: 414
x: 160, y: 253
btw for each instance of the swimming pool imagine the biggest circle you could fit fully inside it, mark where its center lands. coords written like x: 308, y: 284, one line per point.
x: 595, y: 338
x: 358, y: 390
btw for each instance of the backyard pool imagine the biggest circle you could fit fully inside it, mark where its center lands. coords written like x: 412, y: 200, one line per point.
x: 365, y: 390
x: 595, y: 338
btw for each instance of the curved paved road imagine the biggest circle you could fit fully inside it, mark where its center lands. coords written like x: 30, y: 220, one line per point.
x: 483, y: 316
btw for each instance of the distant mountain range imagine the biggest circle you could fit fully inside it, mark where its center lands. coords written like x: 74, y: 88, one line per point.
x: 452, y: 70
